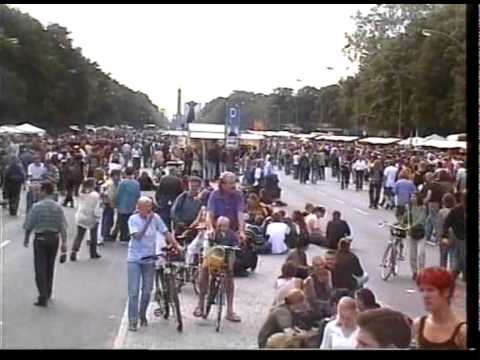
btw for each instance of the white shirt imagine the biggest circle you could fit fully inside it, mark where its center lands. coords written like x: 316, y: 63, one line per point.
x: 277, y: 232
x: 296, y: 159
x: 360, y: 165
x: 390, y: 173
x: 335, y: 339
x: 317, y: 224
x: 89, y: 211
x: 135, y: 153
x: 36, y: 172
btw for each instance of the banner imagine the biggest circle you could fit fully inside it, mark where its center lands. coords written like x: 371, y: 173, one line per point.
x: 232, y: 127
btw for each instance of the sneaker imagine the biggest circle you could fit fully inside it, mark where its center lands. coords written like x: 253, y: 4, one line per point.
x: 73, y: 256
x: 132, y: 327
x: 143, y: 322
x: 95, y: 256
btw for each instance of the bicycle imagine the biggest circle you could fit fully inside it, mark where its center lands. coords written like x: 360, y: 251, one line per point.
x: 216, y: 288
x: 166, y: 291
x: 393, y: 253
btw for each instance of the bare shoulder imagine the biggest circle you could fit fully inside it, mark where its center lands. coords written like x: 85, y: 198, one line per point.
x: 461, y: 338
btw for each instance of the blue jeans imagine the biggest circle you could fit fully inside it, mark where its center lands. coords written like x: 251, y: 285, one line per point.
x: 139, y: 271
x: 107, y: 221
x: 431, y: 220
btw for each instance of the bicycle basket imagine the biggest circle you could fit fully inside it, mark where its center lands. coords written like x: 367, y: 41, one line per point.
x: 215, y: 259
x: 399, y: 232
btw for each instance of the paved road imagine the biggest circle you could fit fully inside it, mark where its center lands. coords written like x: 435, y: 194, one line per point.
x: 90, y: 296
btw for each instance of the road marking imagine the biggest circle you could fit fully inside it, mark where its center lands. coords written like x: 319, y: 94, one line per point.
x: 5, y: 243
x: 360, y: 211
x: 339, y: 201
x: 122, y: 331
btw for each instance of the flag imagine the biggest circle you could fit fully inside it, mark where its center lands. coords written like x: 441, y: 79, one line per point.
x: 191, y: 112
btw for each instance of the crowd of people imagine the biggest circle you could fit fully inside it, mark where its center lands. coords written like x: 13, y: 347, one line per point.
x: 197, y: 202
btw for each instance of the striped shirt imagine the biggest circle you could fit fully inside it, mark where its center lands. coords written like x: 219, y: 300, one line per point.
x: 46, y: 216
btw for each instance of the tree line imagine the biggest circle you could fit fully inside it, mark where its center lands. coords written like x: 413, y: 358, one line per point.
x: 44, y: 80
x: 411, y: 78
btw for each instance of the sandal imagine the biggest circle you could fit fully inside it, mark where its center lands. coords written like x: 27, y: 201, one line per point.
x: 198, y: 312
x: 233, y: 318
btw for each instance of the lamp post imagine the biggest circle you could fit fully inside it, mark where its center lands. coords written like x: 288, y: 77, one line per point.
x: 429, y: 32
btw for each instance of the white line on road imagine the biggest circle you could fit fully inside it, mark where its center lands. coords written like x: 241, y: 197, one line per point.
x: 360, y: 211
x: 122, y: 331
x: 5, y: 243
x: 339, y: 201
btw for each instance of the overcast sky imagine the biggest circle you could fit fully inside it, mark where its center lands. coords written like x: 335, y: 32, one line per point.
x: 209, y: 50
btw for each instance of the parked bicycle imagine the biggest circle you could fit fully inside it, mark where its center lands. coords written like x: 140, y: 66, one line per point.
x: 166, y: 290
x: 219, y: 261
x: 394, y: 252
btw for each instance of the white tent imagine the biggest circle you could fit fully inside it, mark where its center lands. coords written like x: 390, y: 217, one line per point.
x: 435, y: 137
x: 337, y: 138
x: 457, y: 137
x: 9, y: 129
x: 414, y: 141
x: 445, y: 144
x: 30, y: 129
x: 379, y: 141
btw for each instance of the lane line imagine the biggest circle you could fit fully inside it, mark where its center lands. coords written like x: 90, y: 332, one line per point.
x: 360, y: 211
x: 339, y: 201
x: 119, y: 341
x: 5, y: 243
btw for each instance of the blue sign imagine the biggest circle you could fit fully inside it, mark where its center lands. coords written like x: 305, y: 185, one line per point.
x: 233, y: 121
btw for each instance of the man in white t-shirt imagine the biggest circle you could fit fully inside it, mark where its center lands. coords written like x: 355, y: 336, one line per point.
x: 36, y: 170
x: 277, y: 231
x: 296, y: 166
x: 390, y: 174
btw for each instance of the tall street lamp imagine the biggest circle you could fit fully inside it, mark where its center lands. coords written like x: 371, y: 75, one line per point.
x: 429, y: 32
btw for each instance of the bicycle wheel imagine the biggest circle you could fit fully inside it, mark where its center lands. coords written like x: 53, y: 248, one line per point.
x: 212, y: 292
x: 174, y: 301
x: 194, y: 278
x: 158, y: 297
x: 386, y: 267
x: 220, y: 296
x: 166, y: 296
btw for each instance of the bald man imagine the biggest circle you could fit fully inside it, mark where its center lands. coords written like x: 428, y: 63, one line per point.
x: 144, y: 228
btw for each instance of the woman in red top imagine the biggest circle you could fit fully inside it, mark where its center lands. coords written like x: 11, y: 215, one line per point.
x: 441, y: 329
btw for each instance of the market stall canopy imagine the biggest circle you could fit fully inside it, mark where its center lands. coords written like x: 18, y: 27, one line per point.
x: 30, y: 129
x: 176, y: 133
x: 457, y: 137
x: 339, y: 138
x: 379, y: 141
x: 304, y: 136
x: 251, y: 137
x: 74, y: 128
x: 414, y: 141
x: 435, y: 137
x: 208, y: 128
x: 445, y: 144
x: 9, y: 129
x: 106, y: 128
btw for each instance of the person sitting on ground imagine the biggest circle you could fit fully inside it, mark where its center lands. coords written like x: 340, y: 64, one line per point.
x: 383, y: 329
x: 286, y: 282
x: 283, y: 316
x: 340, y: 332
x: 337, y: 229
x: 365, y: 300
x: 316, y: 232
x: 255, y: 207
x: 277, y: 231
x: 318, y: 289
x: 299, y: 257
x: 255, y: 233
x: 347, y: 265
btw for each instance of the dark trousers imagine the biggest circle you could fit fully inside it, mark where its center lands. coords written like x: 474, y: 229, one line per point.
x: 69, y: 187
x: 304, y: 175
x: 317, y: 239
x: 123, y: 222
x: 296, y: 172
x: 107, y: 222
x: 146, y: 161
x: 322, y: 172
x: 188, y: 168
x: 79, y: 238
x: 345, y: 175
x: 136, y: 163
x: 374, y: 192
x: 45, y: 248
x: 359, y: 176
x: 13, y: 191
